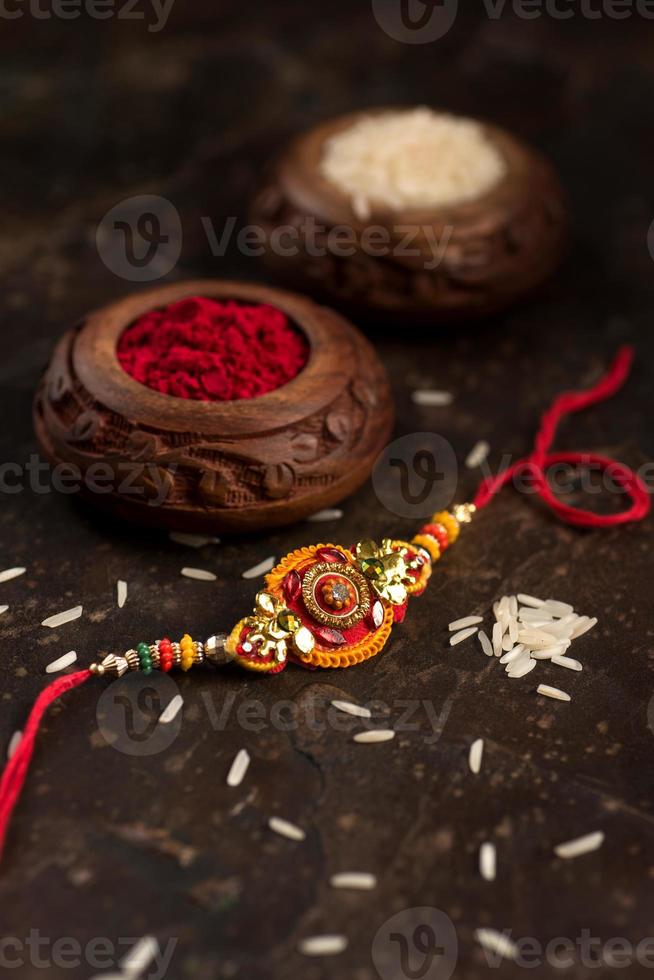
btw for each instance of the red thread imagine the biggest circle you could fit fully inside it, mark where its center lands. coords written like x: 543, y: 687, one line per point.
x: 539, y: 461
x: 213, y: 351
x: 15, y: 772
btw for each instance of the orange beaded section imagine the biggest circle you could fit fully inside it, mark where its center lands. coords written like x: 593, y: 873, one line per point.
x: 296, y: 559
x: 363, y: 650
x: 187, y: 648
x: 449, y: 522
x: 430, y: 543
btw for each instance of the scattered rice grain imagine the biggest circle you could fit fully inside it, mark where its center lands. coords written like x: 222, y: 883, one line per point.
x: 328, y: 514
x: 63, y: 617
x: 199, y: 574
x: 121, y: 593
x: 374, y: 735
x: 553, y: 692
x: 238, y: 768
x: 462, y: 635
x: 352, y: 709
x: 3, y: 609
x: 261, y: 569
x: 359, y: 880
x: 486, y: 644
x: 584, y: 627
x: 530, y: 600
x: 171, y: 710
x: 497, y: 639
x: 497, y: 942
x: 10, y: 573
x: 138, y: 958
x: 431, y: 398
x: 323, y: 945
x: 568, y: 662
x: 460, y: 624
x: 476, y: 755
x: 521, y: 668
x: 477, y: 454
x: 580, y: 845
x: 488, y: 861
x: 13, y: 744
x: 61, y: 663
x: 286, y: 829
x: 192, y: 540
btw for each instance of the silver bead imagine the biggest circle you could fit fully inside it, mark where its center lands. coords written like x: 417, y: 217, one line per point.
x: 214, y: 650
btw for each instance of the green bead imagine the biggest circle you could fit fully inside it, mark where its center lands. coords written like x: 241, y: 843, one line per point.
x: 147, y: 670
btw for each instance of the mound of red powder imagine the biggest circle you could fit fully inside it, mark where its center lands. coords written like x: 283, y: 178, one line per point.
x: 213, y: 351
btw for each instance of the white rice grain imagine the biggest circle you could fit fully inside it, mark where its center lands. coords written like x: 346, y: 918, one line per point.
x: 568, y: 662
x: 535, y: 639
x: 583, y: 626
x: 199, y: 574
x: 557, y: 609
x: 521, y: 668
x: 9, y: 573
x: 352, y: 709
x: 329, y: 945
x: 329, y: 514
x: 171, y: 710
x: 359, y: 880
x: 62, y: 662
x: 512, y: 655
x: 497, y: 942
x: 478, y: 454
x: 460, y: 624
x: 486, y: 644
x: 462, y: 635
x: 3, y: 609
x: 261, y: 569
x: 121, y: 593
x: 63, y: 617
x: 238, y: 768
x: 475, y: 756
x: 497, y: 639
x: 530, y: 600
x: 14, y: 742
x: 432, y: 398
x: 138, y: 958
x: 374, y: 735
x: 553, y: 692
x: 192, y: 540
x: 286, y: 829
x: 488, y: 861
x: 580, y: 845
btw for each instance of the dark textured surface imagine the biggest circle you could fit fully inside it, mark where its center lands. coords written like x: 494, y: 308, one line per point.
x: 110, y: 845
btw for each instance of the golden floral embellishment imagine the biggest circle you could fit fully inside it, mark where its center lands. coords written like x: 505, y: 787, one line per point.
x: 273, y: 626
x: 385, y: 569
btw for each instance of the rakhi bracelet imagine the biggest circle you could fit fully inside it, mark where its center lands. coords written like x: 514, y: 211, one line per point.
x: 331, y: 606
x: 323, y: 606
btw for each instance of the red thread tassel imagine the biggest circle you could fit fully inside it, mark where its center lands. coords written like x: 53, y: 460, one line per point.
x: 15, y: 772
x: 537, y: 463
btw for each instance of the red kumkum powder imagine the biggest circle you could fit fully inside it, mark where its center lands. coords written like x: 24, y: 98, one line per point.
x: 213, y: 351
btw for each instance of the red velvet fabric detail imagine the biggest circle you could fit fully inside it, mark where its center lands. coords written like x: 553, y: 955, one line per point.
x: 213, y: 351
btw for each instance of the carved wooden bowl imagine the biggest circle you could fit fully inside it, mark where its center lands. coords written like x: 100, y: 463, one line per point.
x: 215, y: 466
x: 489, y: 251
